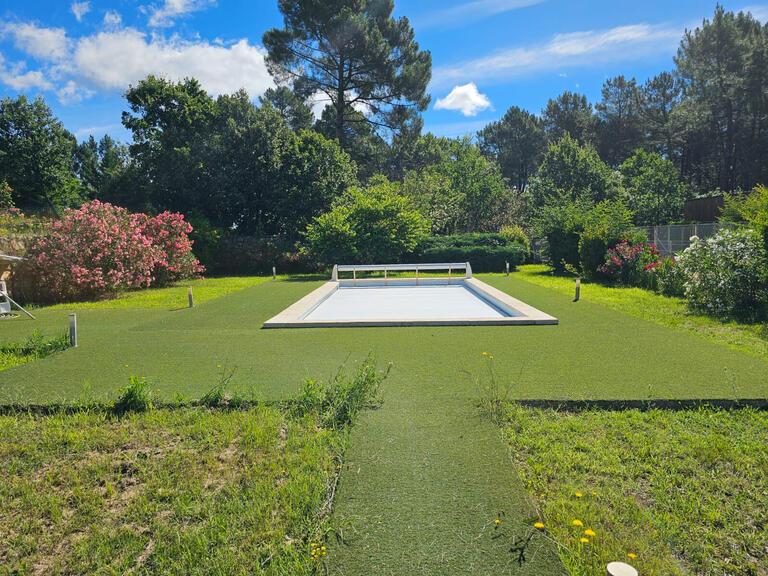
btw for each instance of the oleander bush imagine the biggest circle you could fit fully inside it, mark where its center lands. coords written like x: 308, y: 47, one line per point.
x: 726, y: 275
x: 631, y: 264
x: 99, y: 250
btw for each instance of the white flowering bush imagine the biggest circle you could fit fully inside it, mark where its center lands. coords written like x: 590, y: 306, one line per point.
x: 725, y: 275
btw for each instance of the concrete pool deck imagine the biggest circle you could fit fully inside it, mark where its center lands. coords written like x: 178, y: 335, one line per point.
x: 407, y: 302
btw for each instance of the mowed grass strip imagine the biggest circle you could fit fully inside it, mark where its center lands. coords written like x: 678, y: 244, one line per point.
x: 664, y: 310
x: 684, y: 492
x: 171, y: 491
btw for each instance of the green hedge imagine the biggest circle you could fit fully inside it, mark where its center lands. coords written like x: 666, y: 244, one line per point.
x: 485, y: 252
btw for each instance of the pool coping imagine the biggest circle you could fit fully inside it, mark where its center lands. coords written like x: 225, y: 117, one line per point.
x: 292, y: 317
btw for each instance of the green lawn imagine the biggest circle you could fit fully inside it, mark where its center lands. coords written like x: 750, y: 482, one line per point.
x: 426, y: 475
x: 171, y: 491
x: 685, y: 492
x: 667, y: 311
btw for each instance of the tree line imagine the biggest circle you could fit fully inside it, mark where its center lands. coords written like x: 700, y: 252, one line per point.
x: 269, y: 167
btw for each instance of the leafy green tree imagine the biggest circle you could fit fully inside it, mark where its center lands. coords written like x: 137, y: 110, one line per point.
x: 572, y: 114
x: 517, y: 143
x: 570, y: 171
x: 354, y: 53
x: 292, y: 108
x: 376, y: 224
x: 464, y: 192
x: 653, y: 188
x: 36, y: 156
x: 171, y: 125
x: 620, y: 128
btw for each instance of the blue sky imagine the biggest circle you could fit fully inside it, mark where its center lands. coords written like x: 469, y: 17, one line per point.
x: 487, y: 55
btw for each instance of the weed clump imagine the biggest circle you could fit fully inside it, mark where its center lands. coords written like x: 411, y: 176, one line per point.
x: 135, y: 397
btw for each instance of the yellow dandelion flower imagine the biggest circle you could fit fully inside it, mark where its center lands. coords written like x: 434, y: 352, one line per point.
x: 485, y: 353
x: 497, y: 521
x: 584, y: 540
x: 589, y: 533
x: 126, y: 365
x: 594, y: 493
x: 323, y: 553
x: 322, y: 547
x: 578, y: 494
x: 491, y: 357
x: 578, y: 523
x: 539, y: 525
x: 632, y: 555
x: 218, y: 365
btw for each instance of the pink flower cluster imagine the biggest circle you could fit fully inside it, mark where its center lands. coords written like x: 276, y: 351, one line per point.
x: 625, y: 261
x: 101, y: 249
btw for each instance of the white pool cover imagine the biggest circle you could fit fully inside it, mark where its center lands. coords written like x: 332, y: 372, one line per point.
x: 396, y: 302
x: 400, y: 302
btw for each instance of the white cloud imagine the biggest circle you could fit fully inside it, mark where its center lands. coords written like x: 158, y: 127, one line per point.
x: 80, y: 9
x: 573, y: 49
x: 115, y: 59
x: 112, y: 19
x: 166, y: 14
x: 466, y: 99
x: 43, y: 43
x: 461, y: 14
x: 17, y: 78
x: 117, y: 56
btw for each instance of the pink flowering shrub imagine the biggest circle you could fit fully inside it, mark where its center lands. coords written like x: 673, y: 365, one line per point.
x: 630, y: 264
x: 101, y: 249
x: 169, y: 231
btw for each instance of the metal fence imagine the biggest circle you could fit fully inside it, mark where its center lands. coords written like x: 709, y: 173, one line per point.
x: 675, y: 238
x: 669, y: 239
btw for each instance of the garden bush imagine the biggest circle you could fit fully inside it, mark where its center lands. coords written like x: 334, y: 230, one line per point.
x: 100, y: 249
x: 237, y: 254
x: 670, y: 279
x: 726, y: 275
x: 516, y: 233
x: 605, y: 225
x: 632, y: 265
x: 366, y: 226
x: 486, y: 252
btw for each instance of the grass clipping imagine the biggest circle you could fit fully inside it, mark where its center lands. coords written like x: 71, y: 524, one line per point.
x: 143, y: 488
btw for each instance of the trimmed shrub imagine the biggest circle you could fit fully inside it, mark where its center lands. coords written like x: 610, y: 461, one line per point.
x: 515, y: 233
x: 241, y: 255
x: 725, y: 275
x: 485, y: 252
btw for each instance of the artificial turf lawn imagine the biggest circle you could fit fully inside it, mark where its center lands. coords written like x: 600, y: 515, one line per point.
x: 425, y: 475
x: 594, y: 353
x: 683, y: 491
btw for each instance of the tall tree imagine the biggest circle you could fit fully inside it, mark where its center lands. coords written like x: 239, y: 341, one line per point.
x: 620, y: 129
x: 354, y: 53
x: 517, y: 142
x: 569, y: 113
x: 292, y: 108
x: 37, y: 156
x: 660, y: 97
x: 722, y: 68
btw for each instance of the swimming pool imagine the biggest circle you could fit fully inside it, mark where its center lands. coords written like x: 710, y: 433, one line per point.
x: 416, y: 301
